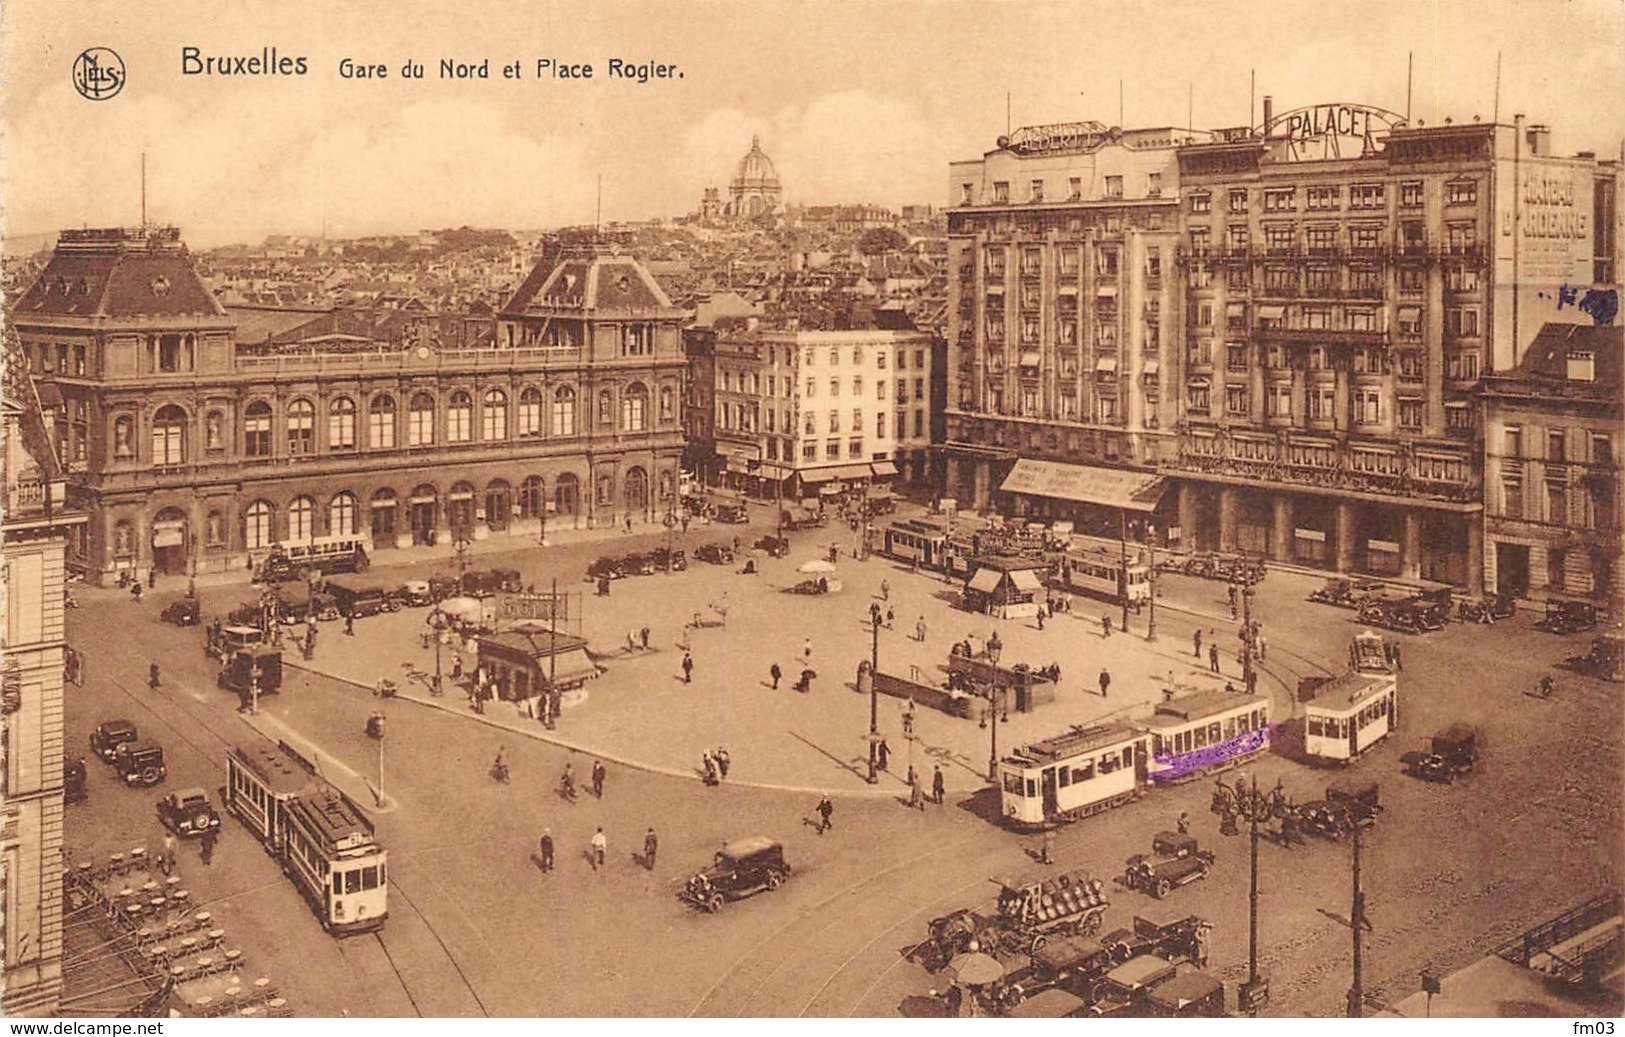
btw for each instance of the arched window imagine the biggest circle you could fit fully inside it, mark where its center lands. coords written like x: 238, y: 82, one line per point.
x: 564, y: 411
x: 301, y: 427
x: 530, y: 412
x: 420, y: 421
x: 257, y: 429
x: 637, y: 490
x: 667, y: 403
x: 341, y: 424
x: 459, y: 418
x: 341, y: 515
x: 634, y: 408
x: 606, y: 407
x: 124, y: 436
x: 494, y: 415
x: 532, y: 496
x: 381, y: 423
x: 301, y: 516
x: 567, y: 495
x: 257, y: 532
x: 169, y: 436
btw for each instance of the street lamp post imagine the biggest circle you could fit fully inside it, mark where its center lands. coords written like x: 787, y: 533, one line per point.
x: 1122, y: 570
x: 1249, y: 678
x: 1248, y: 804
x: 437, y: 623
x: 874, y: 692
x: 1151, y: 562
x: 994, y: 650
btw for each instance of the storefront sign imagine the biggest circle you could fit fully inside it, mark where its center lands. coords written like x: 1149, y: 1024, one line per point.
x: 544, y: 607
x: 1327, y: 124
x: 1056, y: 139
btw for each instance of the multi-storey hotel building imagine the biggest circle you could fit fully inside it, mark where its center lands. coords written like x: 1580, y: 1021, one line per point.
x: 194, y: 454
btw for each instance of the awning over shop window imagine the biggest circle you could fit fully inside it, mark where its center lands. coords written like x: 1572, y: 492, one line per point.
x: 984, y: 581
x: 1271, y: 312
x: 1026, y: 580
x: 1410, y: 313
x: 845, y: 471
x: 570, y: 667
x: 1029, y: 358
x: 1151, y: 368
x: 1106, y: 365
x: 883, y: 468
x: 1235, y: 309
x: 1113, y: 487
x: 1106, y: 291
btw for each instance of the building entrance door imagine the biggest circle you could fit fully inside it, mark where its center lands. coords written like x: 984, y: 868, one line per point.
x: 1512, y: 570
x: 169, y: 539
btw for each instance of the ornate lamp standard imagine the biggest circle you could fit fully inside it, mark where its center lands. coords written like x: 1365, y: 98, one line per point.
x: 1249, y: 678
x: 874, y: 692
x: 1248, y: 804
x: 437, y: 623
x: 1151, y: 562
x: 994, y: 649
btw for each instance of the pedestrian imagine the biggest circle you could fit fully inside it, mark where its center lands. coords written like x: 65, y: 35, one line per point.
x: 643, y: 636
x: 775, y: 673
x: 883, y: 752
x: 166, y: 861
x: 724, y: 761
x: 825, y: 809
x: 736, y: 543
x: 1398, y: 665
x: 650, y: 845
x: 834, y: 556
x: 1105, y: 626
x: 152, y: 579
x: 206, y: 846
x: 457, y: 669
x: 631, y: 641
x: 890, y: 616
x: 916, y: 799
x: 688, y: 668
x: 1040, y: 617
x: 1263, y: 647
x: 1184, y: 823
x: 153, y: 679
x: 349, y: 625
x: 547, y: 849
x: 919, y: 630
x: 937, y: 789
x: 1213, y: 658
x: 885, y: 590
x: 600, y: 848
x: 1199, y: 946
x: 685, y: 523
x: 1046, y: 853
x: 874, y: 615
x: 1196, y: 640
x: 1105, y: 681
x: 806, y: 650
x: 598, y: 778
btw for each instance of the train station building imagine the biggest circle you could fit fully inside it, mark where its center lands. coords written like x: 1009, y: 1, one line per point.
x: 194, y: 452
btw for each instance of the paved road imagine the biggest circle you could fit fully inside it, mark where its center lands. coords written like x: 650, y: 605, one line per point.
x: 476, y: 928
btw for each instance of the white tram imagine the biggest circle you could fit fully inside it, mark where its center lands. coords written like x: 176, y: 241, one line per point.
x: 1206, y: 731
x: 1349, y: 714
x: 1096, y: 567
x: 322, y: 839
x: 917, y: 540
x: 1082, y: 772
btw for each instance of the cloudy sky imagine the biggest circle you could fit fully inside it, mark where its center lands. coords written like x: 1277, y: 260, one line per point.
x: 855, y: 101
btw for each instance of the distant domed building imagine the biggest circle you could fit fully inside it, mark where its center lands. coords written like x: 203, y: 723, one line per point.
x: 755, y: 190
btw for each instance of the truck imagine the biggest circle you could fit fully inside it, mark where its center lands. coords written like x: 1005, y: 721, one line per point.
x: 1025, y: 916
x: 238, y: 671
x: 357, y: 600
x: 1450, y: 754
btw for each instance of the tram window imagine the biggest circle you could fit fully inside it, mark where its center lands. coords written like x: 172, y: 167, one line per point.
x: 1084, y: 773
x: 1064, y: 778
x: 1229, y: 727
x: 1012, y: 784
x: 1213, y: 733
x: 338, y: 883
x: 369, y: 878
x: 1032, y: 788
x: 352, y: 881
x: 1128, y: 757
x: 1314, y: 727
x: 1200, y: 738
x: 382, y: 878
x: 1244, y: 723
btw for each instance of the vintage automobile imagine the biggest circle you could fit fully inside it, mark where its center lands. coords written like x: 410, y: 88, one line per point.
x: 74, y: 777
x: 357, y: 600
x: 637, y: 564
x: 1026, y: 917
x: 775, y: 546
x: 237, y: 671
x: 1072, y: 963
x: 1175, y: 860
x: 1451, y: 753
x: 109, y: 735
x: 1603, y: 659
x: 1189, y: 994
x: 715, y: 554
x: 1173, y: 938
x: 669, y: 560
x: 324, y: 606
x: 1122, y: 991
x: 183, y: 613
x: 797, y: 517
x: 1052, y: 1003
x: 1349, y: 803
x: 187, y: 812
x: 1413, y: 615
x: 1489, y: 607
x: 1568, y: 617
x: 479, y: 583
x: 605, y: 568
x: 731, y: 512
x: 140, y: 763
x: 443, y: 586
x: 742, y: 867
x: 234, y: 639
x: 416, y: 594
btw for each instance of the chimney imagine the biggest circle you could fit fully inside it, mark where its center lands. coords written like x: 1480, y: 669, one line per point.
x: 1539, y: 137
x: 1269, y: 112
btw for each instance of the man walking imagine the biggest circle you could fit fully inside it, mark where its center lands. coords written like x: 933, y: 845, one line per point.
x: 598, y: 778
x: 643, y: 635
x: 547, y: 849
x: 1105, y: 626
x: 153, y: 679
x: 600, y: 848
x: 349, y: 625
x: 916, y: 799
x: 650, y: 845
x: 883, y: 753
x: 1213, y: 658
x: 825, y: 808
x: 919, y: 630
x: 206, y: 846
x: 885, y: 590
x: 1105, y: 681
x: 890, y: 616
x: 775, y: 673
x: 1196, y: 640
x: 688, y: 668
x: 806, y: 650
x: 937, y: 789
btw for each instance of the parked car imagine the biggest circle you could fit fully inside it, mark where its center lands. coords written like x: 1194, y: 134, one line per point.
x: 775, y: 546
x: 637, y: 564
x: 357, y: 601
x: 140, y: 763
x: 1569, y: 617
x: 741, y: 868
x: 234, y: 639
x: 716, y: 554
x: 416, y: 594
x: 187, y: 812
x: 732, y: 513
x: 74, y: 788
x: 667, y: 559
x: 109, y: 735
x: 605, y: 568
x: 237, y: 672
x: 481, y: 582
x: 182, y: 613
x: 1175, y: 860
x: 1603, y: 660
x: 1451, y: 753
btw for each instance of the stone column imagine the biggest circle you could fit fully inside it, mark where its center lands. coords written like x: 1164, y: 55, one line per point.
x: 1229, y: 506
x: 1187, y: 516
x: 1410, y: 546
x: 1345, y: 536
x: 1475, y: 554
x: 1281, y: 528
x: 983, y: 478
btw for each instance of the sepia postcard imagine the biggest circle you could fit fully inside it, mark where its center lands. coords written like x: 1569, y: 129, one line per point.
x: 895, y: 510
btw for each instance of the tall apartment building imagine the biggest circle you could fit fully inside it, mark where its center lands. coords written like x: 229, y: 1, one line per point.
x: 1063, y: 305
x: 36, y: 526
x: 193, y: 453
x: 798, y: 411
x: 1349, y: 280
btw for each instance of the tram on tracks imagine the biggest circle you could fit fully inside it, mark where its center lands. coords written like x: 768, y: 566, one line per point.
x: 1072, y: 775
x: 1096, y: 567
x: 1204, y: 732
x: 919, y: 541
x: 1347, y: 715
x: 322, y: 839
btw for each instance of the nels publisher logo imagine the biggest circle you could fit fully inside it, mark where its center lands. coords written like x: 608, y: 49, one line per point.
x: 98, y: 74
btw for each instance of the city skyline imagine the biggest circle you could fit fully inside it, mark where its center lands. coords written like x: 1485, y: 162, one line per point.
x: 846, y: 112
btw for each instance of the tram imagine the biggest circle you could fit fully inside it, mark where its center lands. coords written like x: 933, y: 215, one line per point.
x: 1348, y: 715
x: 1095, y: 567
x: 323, y: 841
x: 1205, y: 731
x: 1072, y: 775
x: 916, y: 540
